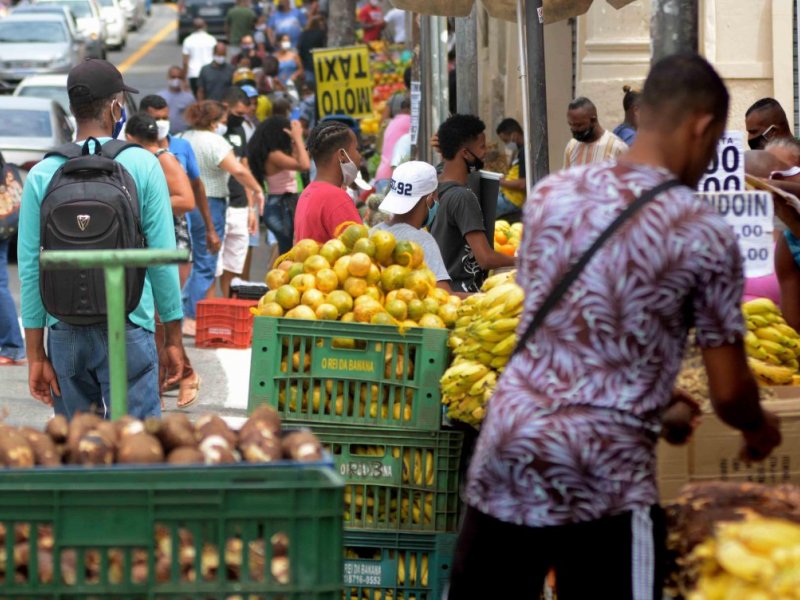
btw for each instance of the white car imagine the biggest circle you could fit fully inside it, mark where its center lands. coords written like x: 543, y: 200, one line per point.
x: 30, y: 127
x: 135, y: 13
x: 52, y: 87
x: 116, y: 23
x: 90, y: 21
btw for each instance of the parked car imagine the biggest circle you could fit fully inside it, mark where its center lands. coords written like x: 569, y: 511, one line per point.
x: 135, y: 13
x: 54, y: 87
x: 90, y: 21
x: 94, y: 48
x: 116, y: 24
x: 30, y: 127
x: 32, y: 44
x: 211, y: 11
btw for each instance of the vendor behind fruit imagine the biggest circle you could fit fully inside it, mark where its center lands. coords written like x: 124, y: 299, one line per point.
x: 566, y: 459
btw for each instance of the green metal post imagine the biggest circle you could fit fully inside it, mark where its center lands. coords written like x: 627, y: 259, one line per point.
x: 117, y: 348
x: 113, y: 262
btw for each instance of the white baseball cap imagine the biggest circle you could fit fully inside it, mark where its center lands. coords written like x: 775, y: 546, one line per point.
x: 410, y: 182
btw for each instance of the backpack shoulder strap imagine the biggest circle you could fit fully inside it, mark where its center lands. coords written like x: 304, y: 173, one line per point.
x: 68, y: 150
x: 112, y: 148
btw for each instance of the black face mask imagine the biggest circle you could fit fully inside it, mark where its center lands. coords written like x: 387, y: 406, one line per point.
x: 583, y: 136
x: 757, y: 143
x: 475, y: 165
x: 234, y: 121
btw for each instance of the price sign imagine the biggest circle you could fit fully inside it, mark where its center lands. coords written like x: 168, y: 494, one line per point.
x: 416, y: 100
x: 726, y: 171
x: 750, y: 215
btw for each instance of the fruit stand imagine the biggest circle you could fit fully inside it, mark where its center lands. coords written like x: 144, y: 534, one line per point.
x: 114, y: 521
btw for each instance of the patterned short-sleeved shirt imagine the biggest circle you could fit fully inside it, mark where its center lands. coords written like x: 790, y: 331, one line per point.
x: 571, y: 430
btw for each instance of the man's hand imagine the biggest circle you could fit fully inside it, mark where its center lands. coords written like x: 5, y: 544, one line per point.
x: 41, y: 380
x: 213, y: 243
x: 171, y: 359
x: 760, y: 442
x: 680, y: 418
x: 252, y: 222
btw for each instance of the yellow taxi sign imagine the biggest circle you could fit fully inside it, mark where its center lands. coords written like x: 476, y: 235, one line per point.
x: 344, y: 82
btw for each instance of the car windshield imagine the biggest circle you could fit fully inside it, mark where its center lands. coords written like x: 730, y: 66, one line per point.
x: 25, y: 123
x: 51, y: 92
x: 17, y: 31
x: 79, y: 8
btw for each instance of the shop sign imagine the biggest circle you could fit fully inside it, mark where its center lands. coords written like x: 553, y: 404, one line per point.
x: 344, y: 83
x: 726, y: 171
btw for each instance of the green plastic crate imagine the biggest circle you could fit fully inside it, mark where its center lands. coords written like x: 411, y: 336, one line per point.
x: 349, y: 373
x: 380, y: 565
x: 105, y: 522
x: 396, y: 479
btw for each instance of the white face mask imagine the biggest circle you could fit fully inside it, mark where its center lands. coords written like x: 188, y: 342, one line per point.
x: 221, y: 129
x: 163, y: 128
x: 349, y: 170
x: 511, y: 147
x: 175, y: 83
x: 220, y: 60
x: 286, y: 45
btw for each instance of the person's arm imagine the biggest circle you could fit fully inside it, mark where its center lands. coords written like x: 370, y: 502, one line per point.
x: 513, y: 184
x: 181, y: 196
x: 783, y: 209
x: 486, y: 256
x: 241, y: 173
x: 185, y: 60
x: 298, y: 74
x: 299, y: 160
x: 254, y: 206
x: 788, y: 273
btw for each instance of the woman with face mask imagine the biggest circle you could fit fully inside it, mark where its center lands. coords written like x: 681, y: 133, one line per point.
x: 290, y: 67
x: 217, y: 163
x: 324, y: 204
x: 276, y: 153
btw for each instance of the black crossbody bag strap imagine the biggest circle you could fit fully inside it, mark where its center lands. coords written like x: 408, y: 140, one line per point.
x: 575, y: 271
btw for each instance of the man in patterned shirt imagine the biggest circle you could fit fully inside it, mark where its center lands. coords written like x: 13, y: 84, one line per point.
x: 563, y: 473
x: 590, y: 143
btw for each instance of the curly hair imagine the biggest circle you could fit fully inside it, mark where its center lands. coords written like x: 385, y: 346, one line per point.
x: 268, y: 137
x: 326, y: 138
x: 457, y: 132
x: 201, y: 115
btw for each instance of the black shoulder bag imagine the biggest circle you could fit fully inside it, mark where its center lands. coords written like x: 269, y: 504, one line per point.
x: 572, y: 275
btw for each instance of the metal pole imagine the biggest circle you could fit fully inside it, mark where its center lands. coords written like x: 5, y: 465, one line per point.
x: 426, y: 82
x: 114, y: 263
x: 117, y: 348
x: 467, y: 63
x: 674, y: 27
x: 537, y: 156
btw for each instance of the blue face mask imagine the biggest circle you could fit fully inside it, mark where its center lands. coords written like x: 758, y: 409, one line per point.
x: 431, y: 215
x: 119, y: 124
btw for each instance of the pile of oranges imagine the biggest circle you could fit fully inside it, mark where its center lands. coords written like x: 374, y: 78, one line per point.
x: 507, y: 237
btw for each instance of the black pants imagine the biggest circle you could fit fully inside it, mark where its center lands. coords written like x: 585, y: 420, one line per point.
x: 596, y: 559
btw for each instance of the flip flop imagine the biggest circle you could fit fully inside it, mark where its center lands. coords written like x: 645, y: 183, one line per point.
x: 188, y: 391
x: 5, y: 361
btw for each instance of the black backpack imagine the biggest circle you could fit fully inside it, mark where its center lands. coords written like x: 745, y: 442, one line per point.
x: 90, y: 204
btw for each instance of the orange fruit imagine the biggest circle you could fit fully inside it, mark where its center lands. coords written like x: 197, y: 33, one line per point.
x: 398, y: 309
x: 366, y: 246
x: 270, y: 309
x: 312, y: 298
x: 392, y: 277
x: 374, y: 275
x: 341, y: 300
x: 431, y: 320
x: 420, y: 283
x: 415, y: 309
x: 341, y: 269
x: 440, y: 295
x: 276, y: 278
x: 315, y: 263
x: 408, y: 254
x: 304, y: 282
x: 355, y: 286
x: 285, y: 265
x: 302, y: 312
x: 327, y: 312
x: 507, y: 249
x: 384, y: 246
x: 352, y: 234
x: 327, y: 281
x: 375, y: 293
x: 287, y: 296
x: 333, y: 250
x: 303, y: 249
x: 268, y: 297
x: 406, y: 295
x: 431, y: 306
x: 448, y: 313
x: 359, y: 264
x: 500, y: 237
x: 364, y: 312
x: 295, y: 270
x: 382, y: 318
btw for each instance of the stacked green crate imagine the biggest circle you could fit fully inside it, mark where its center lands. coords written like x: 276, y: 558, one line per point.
x: 371, y: 394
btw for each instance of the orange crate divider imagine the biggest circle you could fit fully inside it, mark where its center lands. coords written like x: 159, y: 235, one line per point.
x: 224, y: 323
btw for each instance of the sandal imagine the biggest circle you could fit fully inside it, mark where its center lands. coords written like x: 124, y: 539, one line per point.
x: 6, y: 361
x: 188, y: 391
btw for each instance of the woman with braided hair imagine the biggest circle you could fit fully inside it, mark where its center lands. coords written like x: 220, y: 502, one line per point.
x: 324, y: 204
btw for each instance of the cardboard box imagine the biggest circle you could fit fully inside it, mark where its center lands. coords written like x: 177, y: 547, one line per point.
x: 713, y: 452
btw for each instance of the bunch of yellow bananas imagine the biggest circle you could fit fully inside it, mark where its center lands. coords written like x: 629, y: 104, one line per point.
x: 412, y: 571
x: 482, y: 341
x: 754, y: 559
x: 772, y: 346
x: 363, y: 501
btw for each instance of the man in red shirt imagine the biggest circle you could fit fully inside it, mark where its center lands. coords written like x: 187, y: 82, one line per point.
x: 324, y: 205
x: 371, y: 18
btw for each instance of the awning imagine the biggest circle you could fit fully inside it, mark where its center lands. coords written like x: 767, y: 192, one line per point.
x: 553, y: 10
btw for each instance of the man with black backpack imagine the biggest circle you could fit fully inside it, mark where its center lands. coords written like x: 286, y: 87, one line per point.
x: 98, y: 193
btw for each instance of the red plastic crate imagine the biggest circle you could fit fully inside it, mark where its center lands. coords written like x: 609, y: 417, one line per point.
x: 224, y: 323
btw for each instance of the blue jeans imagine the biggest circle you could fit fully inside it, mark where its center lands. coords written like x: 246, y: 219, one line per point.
x: 204, y: 264
x: 279, y: 219
x: 79, y: 355
x: 11, y: 344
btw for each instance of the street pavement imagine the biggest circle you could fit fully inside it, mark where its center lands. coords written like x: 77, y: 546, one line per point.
x: 225, y: 373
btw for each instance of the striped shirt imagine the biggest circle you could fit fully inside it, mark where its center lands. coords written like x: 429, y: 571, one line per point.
x: 608, y: 147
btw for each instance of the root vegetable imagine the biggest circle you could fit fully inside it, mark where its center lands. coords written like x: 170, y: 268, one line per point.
x: 44, y: 449
x: 58, y: 429
x: 280, y: 569
x: 259, y: 449
x: 280, y: 544
x: 265, y: 420
x: 302, y: 446
x: 211, y: 424
x: 15, y: 452
x: 186, y: 455
x: 128, y: 426
x: 141, y: 448
x: 216, y: 450
x: 173, y: 431
x: 94, y: 449
x: 80, y: 425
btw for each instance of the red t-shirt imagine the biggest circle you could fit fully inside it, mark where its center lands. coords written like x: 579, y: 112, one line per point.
x: 371, y: 17
x: 322, y: 207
